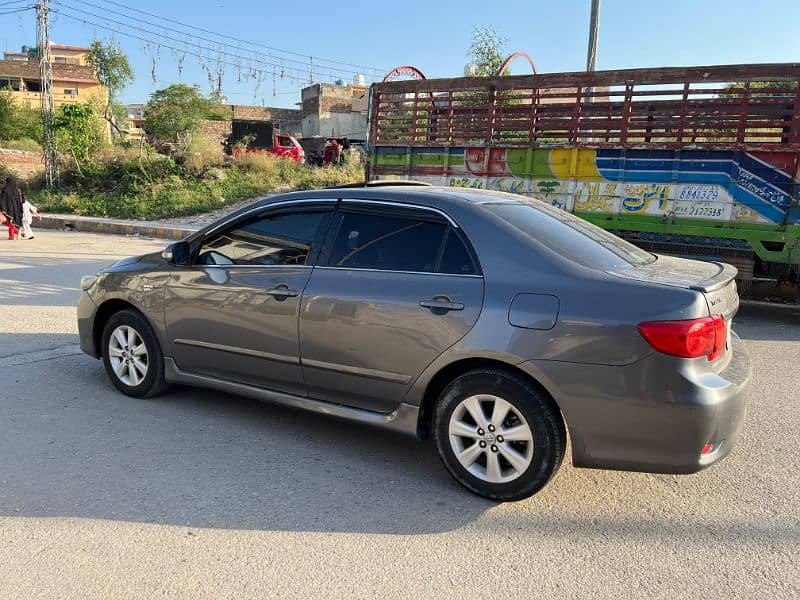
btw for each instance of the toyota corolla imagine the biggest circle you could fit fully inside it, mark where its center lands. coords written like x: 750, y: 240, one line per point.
x: 490, y: 322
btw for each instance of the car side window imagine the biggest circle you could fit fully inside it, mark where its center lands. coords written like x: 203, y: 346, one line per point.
x: 387, y: 242
x: 283, y: 238
x: 456, y: 259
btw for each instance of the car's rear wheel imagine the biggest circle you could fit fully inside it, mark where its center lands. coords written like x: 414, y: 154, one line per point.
x: 498, y: 434
x: 132, y: 355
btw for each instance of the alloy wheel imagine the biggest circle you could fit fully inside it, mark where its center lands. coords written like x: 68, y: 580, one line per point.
x: 128, y: 355
x: 490, y: 438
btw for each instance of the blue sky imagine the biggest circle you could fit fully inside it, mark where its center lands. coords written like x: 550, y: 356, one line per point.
x: 430, y: 35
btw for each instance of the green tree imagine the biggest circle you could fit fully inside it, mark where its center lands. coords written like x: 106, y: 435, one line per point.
x: 176, y: 109
x: 758, y: 89
x: 79, y: 132
x: 113, y: 70
x: 17, y: 122
x: 220, y: 109
x: 487, y: 50
x: 757, y: 85
x: 8, y: 125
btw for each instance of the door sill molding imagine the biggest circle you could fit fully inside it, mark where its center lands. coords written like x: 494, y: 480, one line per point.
x: 403, y: 419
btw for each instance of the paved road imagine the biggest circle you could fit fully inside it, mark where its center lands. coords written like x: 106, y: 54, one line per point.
x: 198, y: 494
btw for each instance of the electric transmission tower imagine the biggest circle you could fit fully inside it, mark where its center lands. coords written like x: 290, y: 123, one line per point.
x: 46, y: 85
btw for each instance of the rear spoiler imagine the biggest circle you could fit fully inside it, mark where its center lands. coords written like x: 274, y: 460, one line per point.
x: 726, y: 274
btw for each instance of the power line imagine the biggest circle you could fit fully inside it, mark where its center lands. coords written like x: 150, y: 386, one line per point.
x: 217, y: 51
x: 200, y: 56
x: 229, y: 37
x: 19, y: 10
x: 304, y: 64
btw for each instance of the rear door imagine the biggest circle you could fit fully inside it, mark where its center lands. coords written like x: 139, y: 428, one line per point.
x: 395, y: 288
x: 233, y: 313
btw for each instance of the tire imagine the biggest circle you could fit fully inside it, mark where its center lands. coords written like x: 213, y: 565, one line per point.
x: 129, y: 377
x: 490, y: 465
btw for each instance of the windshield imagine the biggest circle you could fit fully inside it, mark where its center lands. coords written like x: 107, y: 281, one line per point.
x: 570, y: 236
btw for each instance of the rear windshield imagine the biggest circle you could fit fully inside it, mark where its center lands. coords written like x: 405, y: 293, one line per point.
x: 570, y: 236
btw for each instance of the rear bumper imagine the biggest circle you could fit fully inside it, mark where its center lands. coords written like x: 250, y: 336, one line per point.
x: 655, y: 415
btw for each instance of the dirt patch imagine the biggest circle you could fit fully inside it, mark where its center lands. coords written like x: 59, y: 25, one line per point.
x: 23, y: 164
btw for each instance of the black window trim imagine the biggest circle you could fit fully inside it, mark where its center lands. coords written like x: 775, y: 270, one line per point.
x: 398, y: 209
x: 354, y: 202
x: 304, y: 205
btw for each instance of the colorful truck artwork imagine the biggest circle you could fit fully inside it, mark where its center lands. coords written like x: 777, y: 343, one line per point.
x: 710, y: 172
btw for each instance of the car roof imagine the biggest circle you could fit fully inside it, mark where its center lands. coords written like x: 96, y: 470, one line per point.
x: 435, y: 196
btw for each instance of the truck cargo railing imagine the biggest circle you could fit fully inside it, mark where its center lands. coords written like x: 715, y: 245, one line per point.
x: 753, y: 107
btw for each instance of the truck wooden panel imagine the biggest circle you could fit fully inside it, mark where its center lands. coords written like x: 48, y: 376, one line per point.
x: 700, y: 160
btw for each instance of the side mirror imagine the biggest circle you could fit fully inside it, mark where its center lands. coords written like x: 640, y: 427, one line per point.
x: 177, y: 253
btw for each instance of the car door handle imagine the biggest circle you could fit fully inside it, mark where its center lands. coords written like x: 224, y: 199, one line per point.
x: 283, y: 291
x: 441, y: 303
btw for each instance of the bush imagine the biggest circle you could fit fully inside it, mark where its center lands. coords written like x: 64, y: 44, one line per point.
x: 140, y: 184
x: 200, y: 154
x: 79, y: 131
x: 6, y: 172
x: 254, y: 162
x: 23, y: 144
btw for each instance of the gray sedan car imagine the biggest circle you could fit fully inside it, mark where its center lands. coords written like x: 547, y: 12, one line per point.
x: 490, y: 322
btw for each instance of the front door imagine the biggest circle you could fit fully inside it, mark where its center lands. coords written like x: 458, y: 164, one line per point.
x: 394, y: 289
x: 234, y: 313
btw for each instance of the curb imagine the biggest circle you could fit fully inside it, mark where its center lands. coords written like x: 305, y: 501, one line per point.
x: 112, y: 226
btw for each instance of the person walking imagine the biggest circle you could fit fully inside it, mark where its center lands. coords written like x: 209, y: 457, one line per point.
x: 11, y: 200
x: 29, y: 211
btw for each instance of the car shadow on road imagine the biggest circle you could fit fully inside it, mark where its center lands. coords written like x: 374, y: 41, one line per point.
x: 78, y: 448
x: 192, y: 458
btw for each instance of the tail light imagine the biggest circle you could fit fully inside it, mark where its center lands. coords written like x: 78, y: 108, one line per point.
x: 689, y: 339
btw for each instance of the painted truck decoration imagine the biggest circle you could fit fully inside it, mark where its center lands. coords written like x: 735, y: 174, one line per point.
x: 698, y: 192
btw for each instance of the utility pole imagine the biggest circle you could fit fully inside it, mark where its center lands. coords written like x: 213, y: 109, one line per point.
x: 594, y: 24
x: 591, y: 53
x: 46, y: 86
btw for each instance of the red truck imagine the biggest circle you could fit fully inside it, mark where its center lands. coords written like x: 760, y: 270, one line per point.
x: 259, y: 137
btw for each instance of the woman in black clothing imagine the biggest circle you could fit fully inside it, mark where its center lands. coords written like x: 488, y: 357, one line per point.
x: 11, y: 199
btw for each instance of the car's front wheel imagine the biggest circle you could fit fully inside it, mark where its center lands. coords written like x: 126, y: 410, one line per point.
x: 498, y: 434
x: 132, y: 355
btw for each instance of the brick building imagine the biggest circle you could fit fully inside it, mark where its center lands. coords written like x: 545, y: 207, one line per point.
x: 285, y: 120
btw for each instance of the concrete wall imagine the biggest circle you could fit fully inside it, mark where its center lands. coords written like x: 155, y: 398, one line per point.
x: 87, y: 93
x: 23, y: 75
x: 334, y: 111
x: 76, y: 56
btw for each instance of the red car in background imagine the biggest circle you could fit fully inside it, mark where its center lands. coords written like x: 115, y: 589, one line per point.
x: 260, y: 137
x: 283, y: 146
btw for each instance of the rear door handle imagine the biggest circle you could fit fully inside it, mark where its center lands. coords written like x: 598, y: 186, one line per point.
x: 283, y: 291
x: 441, y: 303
